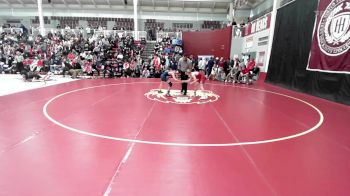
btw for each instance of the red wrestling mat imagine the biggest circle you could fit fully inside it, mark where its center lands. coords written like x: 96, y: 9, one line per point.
x: 122, y: 137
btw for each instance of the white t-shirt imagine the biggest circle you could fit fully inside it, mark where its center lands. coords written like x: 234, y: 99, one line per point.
x: 202, y: 63
x: 120, y: 56
x: 245, y: 59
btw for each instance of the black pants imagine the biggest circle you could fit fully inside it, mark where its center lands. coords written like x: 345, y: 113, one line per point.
x: 108, y: 69
x: 208, y: 71
x: 65, y: 70
x: 184, y: 76
x: 237, y: 75
x: 20, y: 67
x: 94, y: 67
x: 31, y: 75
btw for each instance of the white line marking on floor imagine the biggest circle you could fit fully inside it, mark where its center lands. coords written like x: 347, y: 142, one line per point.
x: 20, y: 142
x: 321, y: 119
x: 127, y: 154
x: 250, y: 158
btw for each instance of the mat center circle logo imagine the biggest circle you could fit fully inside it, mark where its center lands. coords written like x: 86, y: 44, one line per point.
x: 334, y: 28
x: 192, y: 97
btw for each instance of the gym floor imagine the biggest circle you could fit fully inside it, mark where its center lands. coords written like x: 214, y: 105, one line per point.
x: 114, y: 137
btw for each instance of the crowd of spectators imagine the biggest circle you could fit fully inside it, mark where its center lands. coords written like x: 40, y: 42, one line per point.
x: 167, y: 55
x: 229, y: 70
x: 69, y: 53
x: 168, y: 51
x: 103, y: 56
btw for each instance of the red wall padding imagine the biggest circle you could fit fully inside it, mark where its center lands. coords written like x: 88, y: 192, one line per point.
x: 211, y: 42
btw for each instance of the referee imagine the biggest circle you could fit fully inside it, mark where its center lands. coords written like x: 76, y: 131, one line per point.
x: 184, y: 65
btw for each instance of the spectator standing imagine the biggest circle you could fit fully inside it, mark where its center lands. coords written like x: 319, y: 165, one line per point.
x: 209, y: 66
x: 202, y: 63
x: 19, y: 60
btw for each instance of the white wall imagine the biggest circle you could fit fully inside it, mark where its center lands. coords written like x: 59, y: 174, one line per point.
x: 255, y: 47
x: 236, y: 47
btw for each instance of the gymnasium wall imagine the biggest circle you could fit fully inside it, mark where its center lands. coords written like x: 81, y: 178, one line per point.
x: 253, y: 40
x: 209, y: 42
x: 290, y: 53
x: 257, y: 46
x: 236, y: 47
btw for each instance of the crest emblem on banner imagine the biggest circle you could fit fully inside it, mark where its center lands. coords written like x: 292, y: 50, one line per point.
x: 334, y: 28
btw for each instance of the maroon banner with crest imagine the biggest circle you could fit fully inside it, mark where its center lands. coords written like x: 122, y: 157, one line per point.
x: 331, y: 39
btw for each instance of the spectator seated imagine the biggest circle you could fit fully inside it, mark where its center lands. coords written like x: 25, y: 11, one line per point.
x: 231, y: 76
x: 249, y: 73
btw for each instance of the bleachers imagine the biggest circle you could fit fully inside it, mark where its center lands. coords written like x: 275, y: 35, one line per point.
x: 97, y: 22
x: 211, y: 25
x: 36, y: 20
x: 93, y: 22
x: 182, y: 26
x: 153, y: 24
x: 72, y: 22
x: 126, y: 23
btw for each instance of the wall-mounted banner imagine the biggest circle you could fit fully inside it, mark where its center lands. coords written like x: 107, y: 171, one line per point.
x: 258, y: 25
x: 331, y: 39
x: 238, y: 32
x: 261, y: 59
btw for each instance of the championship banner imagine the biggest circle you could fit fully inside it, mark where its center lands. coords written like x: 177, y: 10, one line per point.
x: 331, y: 39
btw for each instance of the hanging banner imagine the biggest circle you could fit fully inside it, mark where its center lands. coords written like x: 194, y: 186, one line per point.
x: 258, y: 25
x: 331, y: 39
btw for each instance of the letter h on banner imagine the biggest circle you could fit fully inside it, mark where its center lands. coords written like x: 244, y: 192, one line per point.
x: 340, y: 24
